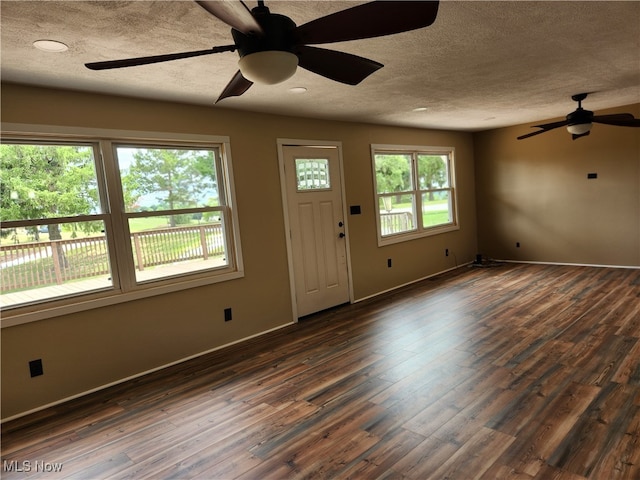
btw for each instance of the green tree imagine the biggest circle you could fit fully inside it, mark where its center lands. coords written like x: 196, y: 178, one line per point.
x: 130, y: 190
x: 177, y: 178
x: 393, y: 173
x: 45, y: 182
x: 432, y: 172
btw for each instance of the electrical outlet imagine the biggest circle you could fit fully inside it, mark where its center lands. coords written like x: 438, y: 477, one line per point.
x: 35, y: 368
x: 388, y: 263
x: 228, y: 316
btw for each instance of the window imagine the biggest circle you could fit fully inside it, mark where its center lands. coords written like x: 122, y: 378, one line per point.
x: 53, y: 215
x: 175, y: 212
x: 312, y: 174
x: 415, y: 194
x: 62, y: 236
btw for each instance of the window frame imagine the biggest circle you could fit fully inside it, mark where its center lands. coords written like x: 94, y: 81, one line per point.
x: 419, y: 230
x: 131, y: 282
x: 125, y: 288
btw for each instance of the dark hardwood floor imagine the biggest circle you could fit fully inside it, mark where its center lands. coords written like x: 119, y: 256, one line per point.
x: 516, y: 371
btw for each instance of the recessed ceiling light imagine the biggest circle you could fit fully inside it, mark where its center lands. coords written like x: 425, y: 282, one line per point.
x: 420, y: 109
x: 298, y: 90
x: 50, y: 46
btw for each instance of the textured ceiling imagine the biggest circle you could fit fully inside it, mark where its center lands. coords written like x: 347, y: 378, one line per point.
x: 481, y: 65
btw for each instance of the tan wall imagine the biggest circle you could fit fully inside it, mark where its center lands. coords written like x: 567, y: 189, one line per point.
x: 89, y: 349
x: 535, y: 191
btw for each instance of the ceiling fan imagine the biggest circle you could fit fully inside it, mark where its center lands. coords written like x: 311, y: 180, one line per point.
x: 579, y: 122
x: 271, y: 46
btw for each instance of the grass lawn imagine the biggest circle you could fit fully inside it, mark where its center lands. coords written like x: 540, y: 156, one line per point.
x: 147, y: 223
x: 435, y: 218
x: 430, y: 217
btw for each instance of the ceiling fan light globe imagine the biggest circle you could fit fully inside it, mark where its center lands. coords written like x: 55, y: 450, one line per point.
x: 579, y: 128
x: 269, y: 67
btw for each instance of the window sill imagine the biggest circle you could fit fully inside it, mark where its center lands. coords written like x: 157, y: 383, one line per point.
x: 405, y: 237
x: 88, y: 301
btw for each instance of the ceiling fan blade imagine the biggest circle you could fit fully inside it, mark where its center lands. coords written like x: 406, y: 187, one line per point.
x: 537, y: 132
x: 545, y: 128
x: 236, y: 87
x: 552, y: 125
x: 618, y: 119
x: 373, y: 19
x: 132, y: 62
x: 232, y: 12
x: 339, y: 66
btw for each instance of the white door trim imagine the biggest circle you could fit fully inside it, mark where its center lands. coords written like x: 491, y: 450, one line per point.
x: 282, y: 142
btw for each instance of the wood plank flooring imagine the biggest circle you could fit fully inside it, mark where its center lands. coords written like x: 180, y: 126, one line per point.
x: 515, y: 372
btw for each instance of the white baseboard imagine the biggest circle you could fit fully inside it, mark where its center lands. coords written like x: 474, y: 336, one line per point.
x: 632, y: 267
x: 131, y: 377
x: 496, y: 260
x: 410, y: 283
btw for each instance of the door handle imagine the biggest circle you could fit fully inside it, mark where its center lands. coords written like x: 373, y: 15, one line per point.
x: 340, y: 224
x: 341, y: 235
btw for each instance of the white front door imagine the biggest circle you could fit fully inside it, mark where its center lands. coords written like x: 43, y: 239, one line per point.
x: 317, y: 227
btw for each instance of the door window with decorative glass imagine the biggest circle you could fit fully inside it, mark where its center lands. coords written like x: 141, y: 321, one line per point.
x: 312, y: 174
